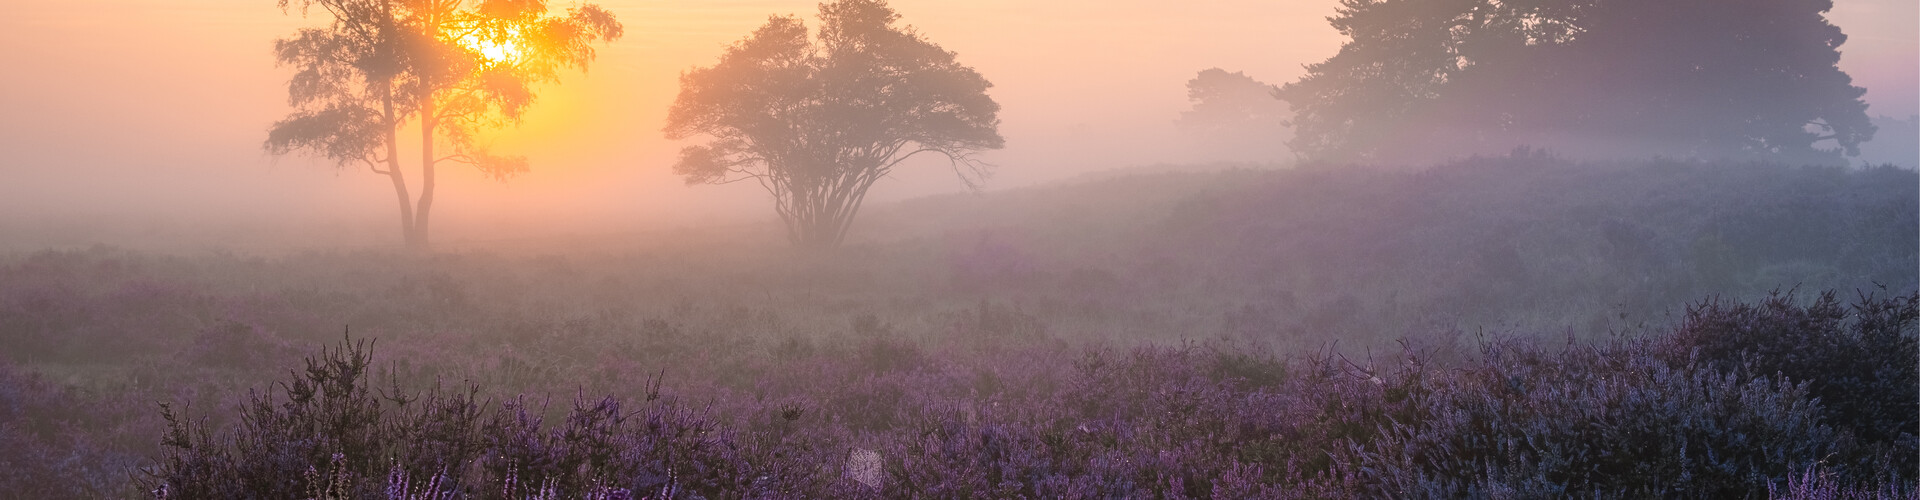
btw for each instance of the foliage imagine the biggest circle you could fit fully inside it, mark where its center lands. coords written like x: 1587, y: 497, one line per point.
x: 1418, y: 79
x: 330, y: 433
x: 817, y: 121
x: 1855, y: 359
x: 1598, y: 420
x: 451, y: 70
x: 1235, y: 113
x: 64, y: 442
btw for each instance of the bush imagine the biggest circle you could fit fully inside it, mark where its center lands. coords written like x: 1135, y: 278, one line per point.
x: 328, y: 433
x: 59, y: 442
x: 1857, y: 360
x: 1716, y: 407
x: 1597, y: 420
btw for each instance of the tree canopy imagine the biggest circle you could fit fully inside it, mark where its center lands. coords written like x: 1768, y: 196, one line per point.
x: 1751, y: 79
x: 1236, y: 116
x: 451, y: 68
x: 816, y: 120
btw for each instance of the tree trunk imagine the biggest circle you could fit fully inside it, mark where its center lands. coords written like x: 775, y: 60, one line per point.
x: 424, y: 212
x: 820, y: 230
x: 393, y: 167
x: 400, y: 192
x: 392, y: 122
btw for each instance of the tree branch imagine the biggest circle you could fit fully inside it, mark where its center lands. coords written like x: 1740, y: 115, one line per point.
x: 374, y: 165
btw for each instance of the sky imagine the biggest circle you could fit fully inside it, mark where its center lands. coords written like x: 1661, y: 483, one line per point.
x: 151, y: 113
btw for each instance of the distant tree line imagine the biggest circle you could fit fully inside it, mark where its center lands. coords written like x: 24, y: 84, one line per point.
x: 1235, y: 116
x: 1717, y: 79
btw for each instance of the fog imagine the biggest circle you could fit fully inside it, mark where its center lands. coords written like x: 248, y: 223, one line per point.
x: 126, y: 120
x: 1224, y: 250
x: 156, y: 110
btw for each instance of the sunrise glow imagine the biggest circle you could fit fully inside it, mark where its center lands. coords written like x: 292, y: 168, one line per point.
x: 499, y: 46
x: 101, y: 85
x: 950, y: 249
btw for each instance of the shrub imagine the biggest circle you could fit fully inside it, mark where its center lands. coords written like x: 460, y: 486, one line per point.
x: 60, y: 442
x: 329, y: 433
x: 1857, y: 360
x: 1608, y: 420
x: 1716, y: 407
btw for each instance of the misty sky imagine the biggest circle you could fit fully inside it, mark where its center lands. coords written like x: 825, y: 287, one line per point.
x: 151, y: 109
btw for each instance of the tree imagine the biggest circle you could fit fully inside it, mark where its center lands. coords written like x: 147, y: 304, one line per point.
x: 1687, y: 78
x: 816, y: 121
x: 1235, y: 114
x: 445, y: 67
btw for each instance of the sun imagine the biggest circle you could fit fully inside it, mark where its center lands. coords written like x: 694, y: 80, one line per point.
x: 495, y: 46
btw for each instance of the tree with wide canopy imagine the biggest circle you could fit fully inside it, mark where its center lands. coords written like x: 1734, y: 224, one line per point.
x: 816, y: 121
x: 1715, y: 79
x: 450, y: 68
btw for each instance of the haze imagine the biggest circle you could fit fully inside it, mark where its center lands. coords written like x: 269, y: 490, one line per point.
x: 1225, y: 251
x: 144, y: 118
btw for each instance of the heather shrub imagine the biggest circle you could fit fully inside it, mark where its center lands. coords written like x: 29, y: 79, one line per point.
x: 236, y: 345
x: 992, y: 261
x: 987, y: 323
x: 1252, y: 366
x: 1154, y: 422
x: 1607, y: 420
x: 1814, y: 484
x: 324, y: 430
x: 33, y: 321
x: 332, y: 431
x: 1736, y: 400
x: 882, y: 349
x: 601, y: 447
x: 1857, y: 360
x: 61, y: 442
x: 876, y: 414
x: 1029, y: 342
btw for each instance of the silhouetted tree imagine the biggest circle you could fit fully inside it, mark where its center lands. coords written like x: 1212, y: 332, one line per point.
x: 448, y: 68
x: 816, y: 121
x: 1234, y: 112
x: 1689, y: 78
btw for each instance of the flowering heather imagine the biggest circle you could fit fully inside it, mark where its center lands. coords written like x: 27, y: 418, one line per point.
x: 1300, y: 333
x: 1675, y: 414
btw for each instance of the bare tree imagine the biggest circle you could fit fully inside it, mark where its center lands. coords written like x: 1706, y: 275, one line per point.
x: 446, y: 67
x: 816, y: 121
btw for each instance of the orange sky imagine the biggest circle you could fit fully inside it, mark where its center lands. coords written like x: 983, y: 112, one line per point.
x: 140, y: 107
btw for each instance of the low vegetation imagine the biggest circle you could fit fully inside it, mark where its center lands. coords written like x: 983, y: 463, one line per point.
x: 1499, y: 327
x: 1713, y: 408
